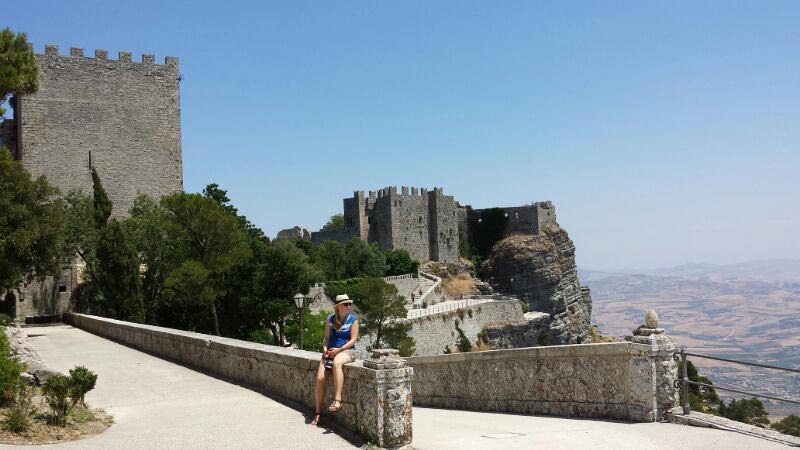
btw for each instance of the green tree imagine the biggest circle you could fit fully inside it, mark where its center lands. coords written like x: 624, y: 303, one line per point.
x: 330, y: 258
x: 117, y: 274
x: 381, y: 307
x: 31, y: 237
x: 749, y: 411
x: 80, y: 233
x: 284, y: 272
x: 219, y: 195
x: 336, y: 222
x: 314, y: 329
x: 210, y: 238
x: 236, y: 319
x: 363, y: 259
x: 788, y: 425
x: 147, y: 227
x: 400, y: 262
x: 462, y: 343
x: 19, y: 72
x: 701, y: 398
x: 102, y: 204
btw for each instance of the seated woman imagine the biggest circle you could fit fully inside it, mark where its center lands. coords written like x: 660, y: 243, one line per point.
x: 341, y: 333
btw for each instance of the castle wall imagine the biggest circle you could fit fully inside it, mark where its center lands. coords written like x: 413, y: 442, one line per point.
x: 126, y: 113
x: 410, y: 222
x: 444, y: 230
x: 425, y: 223
x: 528, y: 219
x: 381, y: 230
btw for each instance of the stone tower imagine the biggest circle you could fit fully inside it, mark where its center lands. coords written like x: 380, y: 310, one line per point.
x: 121, y: 116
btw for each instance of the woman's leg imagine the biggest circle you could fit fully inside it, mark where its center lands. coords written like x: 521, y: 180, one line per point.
x: 319, y: 392
x: 338, y: 373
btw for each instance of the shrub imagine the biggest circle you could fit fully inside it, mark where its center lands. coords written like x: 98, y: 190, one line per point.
x: 463, y: 343
x: 19, y: 416
x: 788, y: 425
x: 82, y: 380
x: 56, y: 392
x: 749, y: 411
x: 5, y: 320
x: 543, y: 340
x: 10, y: 378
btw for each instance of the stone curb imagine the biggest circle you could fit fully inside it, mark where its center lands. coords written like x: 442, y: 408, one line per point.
x: 697, y: 419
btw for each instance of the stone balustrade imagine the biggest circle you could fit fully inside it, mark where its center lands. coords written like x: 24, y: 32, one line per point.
x: 627, y: 381
x: 377, y: 393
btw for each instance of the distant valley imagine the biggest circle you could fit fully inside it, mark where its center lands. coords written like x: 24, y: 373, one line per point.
x: 748, y: 311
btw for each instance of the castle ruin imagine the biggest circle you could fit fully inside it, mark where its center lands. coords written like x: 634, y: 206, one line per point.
x: 120, y: 116
x: 428, y: 224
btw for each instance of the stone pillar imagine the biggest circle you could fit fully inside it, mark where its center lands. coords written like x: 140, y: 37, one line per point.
x: 384, y: 403
x: 663, y: 364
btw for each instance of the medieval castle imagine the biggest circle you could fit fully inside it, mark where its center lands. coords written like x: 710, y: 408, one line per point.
x: 426, y: 223
x: 120, y: 116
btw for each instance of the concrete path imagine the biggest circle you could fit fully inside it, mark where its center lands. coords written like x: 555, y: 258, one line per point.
x: 158, y: 404
x: 449, y: 429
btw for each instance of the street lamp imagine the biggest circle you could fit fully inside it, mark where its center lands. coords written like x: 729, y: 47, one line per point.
x: 298, y: 301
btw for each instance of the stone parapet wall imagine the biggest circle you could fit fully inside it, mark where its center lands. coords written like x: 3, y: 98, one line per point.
x: 376, y: 400
x: 614, y: 381
x: 433, y: 332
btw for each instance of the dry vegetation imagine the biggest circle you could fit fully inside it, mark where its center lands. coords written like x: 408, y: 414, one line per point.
x: 458, y: 285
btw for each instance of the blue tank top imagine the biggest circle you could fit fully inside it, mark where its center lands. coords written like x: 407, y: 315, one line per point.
x: 338, y: 338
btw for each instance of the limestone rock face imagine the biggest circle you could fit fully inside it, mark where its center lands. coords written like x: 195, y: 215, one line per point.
x: 541, y: 270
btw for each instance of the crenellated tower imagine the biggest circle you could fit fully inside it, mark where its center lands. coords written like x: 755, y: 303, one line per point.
x: 122, y: 116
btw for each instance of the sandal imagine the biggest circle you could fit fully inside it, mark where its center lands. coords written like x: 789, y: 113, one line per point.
x: 315, y: 420
x: 335, y: 406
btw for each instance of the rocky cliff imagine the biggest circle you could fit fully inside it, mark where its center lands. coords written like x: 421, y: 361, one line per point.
x: 541, y: 270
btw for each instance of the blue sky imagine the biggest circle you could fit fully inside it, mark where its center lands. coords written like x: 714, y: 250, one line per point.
x: 664, y: 133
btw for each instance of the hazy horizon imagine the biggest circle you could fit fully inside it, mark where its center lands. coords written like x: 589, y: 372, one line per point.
x: 664, y: 133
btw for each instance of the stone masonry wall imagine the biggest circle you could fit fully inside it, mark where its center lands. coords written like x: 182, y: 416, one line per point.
x: 410, y: 223
x: 614, y: 381
x: 433, y: 332
x: 126, y: 113
x: 376, y: 402
x: 444, y: 230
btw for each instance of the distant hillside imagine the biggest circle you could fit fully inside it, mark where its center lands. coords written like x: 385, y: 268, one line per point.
x: 787, y: 270
x: 748, y: 311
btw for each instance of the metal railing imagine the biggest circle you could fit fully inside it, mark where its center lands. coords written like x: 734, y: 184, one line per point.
x: 686, y: 382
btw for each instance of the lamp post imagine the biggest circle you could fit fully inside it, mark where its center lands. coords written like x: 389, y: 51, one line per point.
x: 298, y: 301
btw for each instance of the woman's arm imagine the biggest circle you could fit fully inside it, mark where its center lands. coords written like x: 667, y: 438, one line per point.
x: 325, y: 339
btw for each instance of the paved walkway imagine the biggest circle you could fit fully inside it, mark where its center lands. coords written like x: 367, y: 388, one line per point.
x: 158, y: 404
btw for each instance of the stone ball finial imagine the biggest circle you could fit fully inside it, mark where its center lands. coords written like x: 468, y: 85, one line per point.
x: 651, y: 319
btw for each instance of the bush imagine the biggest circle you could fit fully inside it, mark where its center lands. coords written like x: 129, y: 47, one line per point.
x: 5, y: 320
x: 463, y: 343
x: 10, y: 371
x: 82, y: 380
x: 788, y: 425
x: 749, y: 411
x: 19, y: 416
x: 56, y: 392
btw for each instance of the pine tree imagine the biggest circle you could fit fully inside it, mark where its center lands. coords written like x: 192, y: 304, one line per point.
x: 19, y: 72
x: 117, y: 275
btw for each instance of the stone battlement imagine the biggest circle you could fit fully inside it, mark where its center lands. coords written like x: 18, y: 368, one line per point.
x: 77, y: 54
